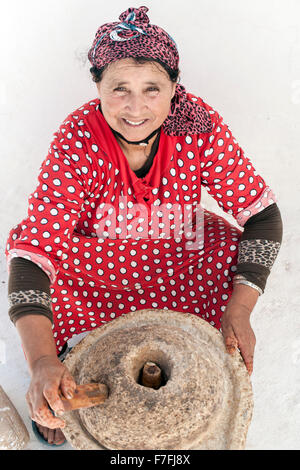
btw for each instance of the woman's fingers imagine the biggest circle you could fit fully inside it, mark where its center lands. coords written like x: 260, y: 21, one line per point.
x: 39, y: 401
x: 46, y: 418
x: 246, y: 347
x: 231, y: 342
x: 50, y: 392
x: 42, y: 415
x: 67, y: 384
x: 239, y: 335
x: 247, y: 352
x: 49, y: 378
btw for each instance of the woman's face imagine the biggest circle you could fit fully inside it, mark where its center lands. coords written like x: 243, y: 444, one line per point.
x: 135, y: 92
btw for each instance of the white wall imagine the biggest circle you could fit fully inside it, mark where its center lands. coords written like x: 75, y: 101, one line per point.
x: 243, y: 58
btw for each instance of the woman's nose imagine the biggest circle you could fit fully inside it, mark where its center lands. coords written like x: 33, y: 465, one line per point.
x: 136, y: 106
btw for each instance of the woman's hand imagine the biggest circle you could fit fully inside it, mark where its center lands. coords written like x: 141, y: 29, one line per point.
x: 49, y: 376
x: 236, y: 328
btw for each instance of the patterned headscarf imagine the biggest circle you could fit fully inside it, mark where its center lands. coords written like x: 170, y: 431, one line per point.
x: 134, y: 36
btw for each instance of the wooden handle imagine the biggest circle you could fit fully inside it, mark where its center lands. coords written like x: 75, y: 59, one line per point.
x: 85, y: 396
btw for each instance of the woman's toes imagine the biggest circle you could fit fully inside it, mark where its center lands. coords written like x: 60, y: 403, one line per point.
x: 59, y: 437
x: 52, y: 436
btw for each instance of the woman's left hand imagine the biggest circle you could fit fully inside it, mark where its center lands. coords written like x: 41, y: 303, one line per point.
x: 237, y: 332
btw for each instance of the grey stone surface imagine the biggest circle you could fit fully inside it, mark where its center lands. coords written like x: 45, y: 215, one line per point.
x: 205, y: 403
x: 13, y: 432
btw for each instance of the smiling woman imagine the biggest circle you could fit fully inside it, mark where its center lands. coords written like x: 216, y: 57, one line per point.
x: 136, y: 110
x: 65, y: 278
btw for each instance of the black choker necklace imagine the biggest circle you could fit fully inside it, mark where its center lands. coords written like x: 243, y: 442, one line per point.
x: 143, y: 142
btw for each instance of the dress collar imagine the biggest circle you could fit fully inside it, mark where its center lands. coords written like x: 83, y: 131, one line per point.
x: 144, y: 186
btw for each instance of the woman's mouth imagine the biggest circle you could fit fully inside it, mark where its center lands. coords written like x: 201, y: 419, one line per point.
x: 134, y: 123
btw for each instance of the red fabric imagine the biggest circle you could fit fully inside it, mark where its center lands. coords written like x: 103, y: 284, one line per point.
x: 95, y: 279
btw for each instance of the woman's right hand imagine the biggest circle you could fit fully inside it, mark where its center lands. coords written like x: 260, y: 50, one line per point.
x: 48, y: 377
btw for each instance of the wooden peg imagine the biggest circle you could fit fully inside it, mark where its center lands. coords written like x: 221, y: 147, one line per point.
x: 151, y: 375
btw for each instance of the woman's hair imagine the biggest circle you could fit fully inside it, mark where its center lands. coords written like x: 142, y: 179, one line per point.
x: 173, y: 73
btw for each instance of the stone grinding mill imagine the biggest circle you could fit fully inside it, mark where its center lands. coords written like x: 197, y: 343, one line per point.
x: 202, y: 400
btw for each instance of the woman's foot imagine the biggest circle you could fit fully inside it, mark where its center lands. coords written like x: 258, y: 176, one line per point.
x: 52, y: 436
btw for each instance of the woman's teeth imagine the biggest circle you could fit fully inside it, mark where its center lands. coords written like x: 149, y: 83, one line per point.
x: 131, y: 123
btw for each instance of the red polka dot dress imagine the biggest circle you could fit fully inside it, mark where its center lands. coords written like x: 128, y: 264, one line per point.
x: 112, y: 243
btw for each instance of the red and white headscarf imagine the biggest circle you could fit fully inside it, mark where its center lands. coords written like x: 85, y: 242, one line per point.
x: 134, y: 36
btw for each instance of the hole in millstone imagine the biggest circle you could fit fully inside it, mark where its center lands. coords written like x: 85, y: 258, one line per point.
x: 151, y: 368
x: 152, y: 375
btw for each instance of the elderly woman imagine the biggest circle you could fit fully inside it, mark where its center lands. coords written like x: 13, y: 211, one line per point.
x: 115, y: 223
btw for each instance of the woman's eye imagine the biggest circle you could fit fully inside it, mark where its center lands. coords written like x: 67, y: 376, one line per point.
x: 122, y: 88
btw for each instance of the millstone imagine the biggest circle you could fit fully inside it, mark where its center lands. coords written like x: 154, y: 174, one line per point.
x: 204, y: 401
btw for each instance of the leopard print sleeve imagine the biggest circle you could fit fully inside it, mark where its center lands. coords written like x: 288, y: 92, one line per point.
x: 258, y: 251
x: 259, y: 247
x: 28, y: 290
x: 29, y: 297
